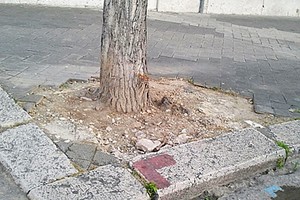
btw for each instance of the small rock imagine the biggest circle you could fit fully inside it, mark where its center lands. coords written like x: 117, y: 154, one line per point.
x: 253, y: 124
x: 98, y: 107
x: 86, y: 99
x: 57, y: 136
x: 133, y: 130
x: 113, y: 121
x: 184, y: 131
x: 106, y: 142
x: 180, y: 139
x: 147, y: 145
x: 109, y: 129
x: 137, y: 124
x: 140, y: 135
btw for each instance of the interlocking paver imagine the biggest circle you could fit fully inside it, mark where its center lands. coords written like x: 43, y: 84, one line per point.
x: 45, y: 47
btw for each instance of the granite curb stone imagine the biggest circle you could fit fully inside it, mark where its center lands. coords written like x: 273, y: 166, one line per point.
x: 8, y: 188
x: 185, y: 170
x: 288, y: 133
x: 104, y: 183
x: 32, y: 158
x: 11, y: 114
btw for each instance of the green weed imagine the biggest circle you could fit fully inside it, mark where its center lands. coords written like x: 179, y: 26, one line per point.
x: 191, y: 81
x: 282, y: 160
x: 151, y: 190
x: 295, y: 166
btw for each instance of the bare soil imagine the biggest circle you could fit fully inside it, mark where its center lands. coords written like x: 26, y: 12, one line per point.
x: 179, y: 109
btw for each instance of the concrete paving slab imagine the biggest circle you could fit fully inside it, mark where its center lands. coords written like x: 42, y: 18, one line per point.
x: 104, y: 183
x: 184, y: 171
x: 288, y: 133
x: 32, y: 158
x: 10, y: 113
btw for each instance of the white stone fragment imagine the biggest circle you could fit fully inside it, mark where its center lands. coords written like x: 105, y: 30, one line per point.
x: 181, y: 139
x: 147, y: 145
x: 254, y: 124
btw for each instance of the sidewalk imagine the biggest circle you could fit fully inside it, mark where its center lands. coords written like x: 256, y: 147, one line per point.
x: 42, y: 49
x: 255, y: 56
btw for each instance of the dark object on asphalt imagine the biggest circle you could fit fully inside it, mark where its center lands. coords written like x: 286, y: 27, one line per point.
x: 288, y: 193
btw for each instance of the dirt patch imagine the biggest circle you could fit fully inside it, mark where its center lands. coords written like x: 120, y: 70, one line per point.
x: 181, y: 113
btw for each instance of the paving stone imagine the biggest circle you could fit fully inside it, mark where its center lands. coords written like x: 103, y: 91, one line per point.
x: 81, y: 151
x: 263, y: 109
x: 32, y: 158
x: 62, y: 145
x: 282, y: 112
x: 81, y: 154
x: 104, y: 183
x: 25, y: 46
x: 36, y: 99
x: 28, y: 106
x: 187, y: 170
x: 288, y: 132
x: 10, y: 113
x: 102, y: 158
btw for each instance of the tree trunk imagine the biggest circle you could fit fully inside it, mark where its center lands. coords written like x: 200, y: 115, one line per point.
x: 123, y: 74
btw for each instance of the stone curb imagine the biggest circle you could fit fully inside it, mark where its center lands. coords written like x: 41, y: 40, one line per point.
x: 11, y: 114
x: 288, y: 133
x: 184, y: 171
x: 104, y: 183
x: 38, y: 166
x: 32, y: 158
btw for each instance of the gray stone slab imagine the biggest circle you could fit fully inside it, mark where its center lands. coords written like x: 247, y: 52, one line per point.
x: 102, y: 158
x: 81, y: 154
x: 288, y: 132
x: 32, y: 158
x: 263, y: 109
x: 187, y: 170
x: 8, y: 188
x: 104, y: 183
x: 10, y: 113
x: 81, y: 151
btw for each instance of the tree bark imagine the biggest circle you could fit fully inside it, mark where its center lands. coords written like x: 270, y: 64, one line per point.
x: 124, y: 82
